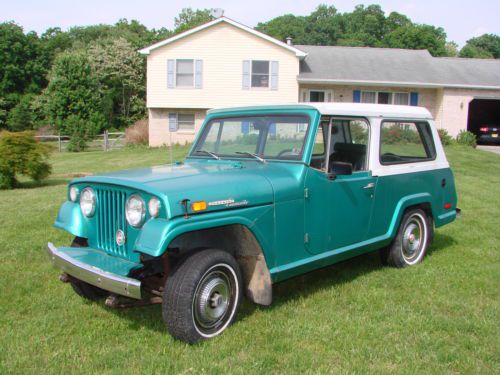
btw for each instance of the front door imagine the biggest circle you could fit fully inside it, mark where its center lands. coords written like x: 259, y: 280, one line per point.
x: 338, y: 207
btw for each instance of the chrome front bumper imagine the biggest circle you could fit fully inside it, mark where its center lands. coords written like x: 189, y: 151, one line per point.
x: 113, y: 283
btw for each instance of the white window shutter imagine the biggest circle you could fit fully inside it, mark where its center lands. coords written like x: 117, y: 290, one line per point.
x: 198, y: 76
x: 246, y: 75
x: 172, y: 122
x: 303, y: 95
x: 274, y: 75
x: 170, y: 74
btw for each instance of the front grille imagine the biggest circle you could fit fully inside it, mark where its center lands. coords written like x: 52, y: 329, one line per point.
x: 110, y: 216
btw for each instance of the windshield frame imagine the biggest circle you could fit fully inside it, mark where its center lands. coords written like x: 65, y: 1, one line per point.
x: 211, y: 119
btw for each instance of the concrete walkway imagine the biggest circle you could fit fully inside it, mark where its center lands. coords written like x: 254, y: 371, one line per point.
x: 495, y: 149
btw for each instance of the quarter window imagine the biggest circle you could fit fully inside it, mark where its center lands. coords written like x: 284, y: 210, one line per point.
x: 406, y: 142
x: 260, y: 73
x: 184, y: 76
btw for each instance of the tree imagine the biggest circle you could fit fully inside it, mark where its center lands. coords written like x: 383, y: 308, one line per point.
x: 286, y: 26
x: 486, y: 46
x: 189, y: 18
x: 451, y: 49
x: 21, y: 116
x: 426, y: 37
x: 72, y: 90
x: 119, y: 71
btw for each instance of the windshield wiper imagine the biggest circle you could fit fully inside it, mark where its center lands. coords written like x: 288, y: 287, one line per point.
x: 262, y: 160
x: 212, y: 154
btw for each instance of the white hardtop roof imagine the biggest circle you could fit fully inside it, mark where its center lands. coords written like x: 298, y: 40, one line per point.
x: 344, y: 109
x: 147, y: 50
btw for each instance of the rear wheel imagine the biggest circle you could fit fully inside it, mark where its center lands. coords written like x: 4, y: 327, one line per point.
x: 202, y: 296
x: 411, y: 242
x: 83, y: 289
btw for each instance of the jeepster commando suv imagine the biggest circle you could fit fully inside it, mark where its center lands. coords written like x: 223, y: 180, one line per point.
x: 266, y: 193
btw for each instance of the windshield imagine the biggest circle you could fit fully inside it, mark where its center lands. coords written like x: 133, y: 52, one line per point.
x: 268, y: 137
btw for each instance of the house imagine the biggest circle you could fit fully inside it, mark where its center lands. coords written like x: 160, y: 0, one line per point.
x: 224, y: 63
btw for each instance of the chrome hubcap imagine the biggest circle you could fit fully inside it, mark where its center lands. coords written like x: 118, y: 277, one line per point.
x: 212, y: 299
x: 413, y: 239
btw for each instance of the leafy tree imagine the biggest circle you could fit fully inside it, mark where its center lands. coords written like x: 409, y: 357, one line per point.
x: 418, y: 37
x: 451, y: 49
x: 72, y: 90
x: 323, y: 26
x: 120, y: 73
x: 21, y: 116
x: 21, y: 154
x: 485, y: 46
x: 286, y: 26
x: 189, y: 18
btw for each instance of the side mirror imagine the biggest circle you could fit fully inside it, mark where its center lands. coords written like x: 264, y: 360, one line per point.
x: 341, y: 168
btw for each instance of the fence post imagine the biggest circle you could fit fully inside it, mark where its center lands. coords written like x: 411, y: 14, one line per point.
x: 105, y: 140
x: 59, y: 142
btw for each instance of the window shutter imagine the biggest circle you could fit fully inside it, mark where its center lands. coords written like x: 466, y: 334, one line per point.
x: 172, y: 122
x: 356, y: 96
x: 170, y: 74
x: 198, y: 77
x: 414, y: 98
x: 245, y: 127
x: 274, y: 75
x: 246, y: 75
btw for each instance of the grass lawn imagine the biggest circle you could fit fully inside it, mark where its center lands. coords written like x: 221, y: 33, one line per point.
x: 356, y: 317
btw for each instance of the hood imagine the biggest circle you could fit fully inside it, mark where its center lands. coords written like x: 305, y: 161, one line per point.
x: 222, y: 184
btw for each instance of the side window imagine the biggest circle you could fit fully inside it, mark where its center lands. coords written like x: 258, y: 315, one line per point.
x: 406, y: 142
x: 350, y: 143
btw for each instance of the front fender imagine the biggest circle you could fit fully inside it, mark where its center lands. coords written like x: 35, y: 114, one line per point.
x: 157, y: 234
x: 70, y: 219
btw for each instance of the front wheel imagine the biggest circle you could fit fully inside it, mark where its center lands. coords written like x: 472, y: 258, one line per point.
x: 411, y: 242
x: 201, y: 298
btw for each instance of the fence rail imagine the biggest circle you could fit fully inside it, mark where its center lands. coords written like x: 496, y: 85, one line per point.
x: 106, y: 141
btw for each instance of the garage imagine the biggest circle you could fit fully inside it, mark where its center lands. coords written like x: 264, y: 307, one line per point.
x: 483, y: 112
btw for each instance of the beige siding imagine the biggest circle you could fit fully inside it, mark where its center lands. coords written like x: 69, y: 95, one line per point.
x: 222, y: 48
x: 453, y: 108
x: 158, y: 126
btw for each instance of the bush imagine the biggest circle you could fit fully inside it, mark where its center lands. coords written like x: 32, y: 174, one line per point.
x: 446, y: 139
x: 81, y: 131
x: 21, y: 154
x: 466, y: 138
x: 138, y: 133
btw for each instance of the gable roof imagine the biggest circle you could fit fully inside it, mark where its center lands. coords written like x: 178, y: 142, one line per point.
x: 147, y: 50
x: 395, y: 67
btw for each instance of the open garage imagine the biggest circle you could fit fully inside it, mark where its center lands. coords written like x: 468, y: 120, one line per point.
x: 483, y: 112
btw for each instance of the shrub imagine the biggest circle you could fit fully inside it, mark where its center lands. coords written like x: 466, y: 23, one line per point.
x: 446, y: 139
x: 21, y: 154
x: 138, y: 133
x: 81, y: 131
x: 466, y: 138
x: 21, y: 116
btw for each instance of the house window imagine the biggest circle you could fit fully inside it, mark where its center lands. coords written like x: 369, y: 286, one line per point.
x: 185, y: 121
x: 317, y: 96
x: 184, y: 73
x: 260, y: 73
x: 384, y: 97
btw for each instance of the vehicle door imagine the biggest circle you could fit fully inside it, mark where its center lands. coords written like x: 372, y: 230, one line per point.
x: 339, y: 187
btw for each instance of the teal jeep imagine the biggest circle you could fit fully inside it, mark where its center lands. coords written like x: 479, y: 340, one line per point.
x: 265, y: 194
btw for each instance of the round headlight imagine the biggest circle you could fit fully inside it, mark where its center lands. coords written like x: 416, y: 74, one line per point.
x: 154, y: 207
x: 87, y: 201
x: 135, y: 210
x: 73, y: 193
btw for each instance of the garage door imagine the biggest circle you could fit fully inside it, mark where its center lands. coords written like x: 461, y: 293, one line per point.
x: 483, y: 112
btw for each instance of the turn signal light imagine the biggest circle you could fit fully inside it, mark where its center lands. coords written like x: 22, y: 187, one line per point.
x: 199, y: 206
x: 447, y: 205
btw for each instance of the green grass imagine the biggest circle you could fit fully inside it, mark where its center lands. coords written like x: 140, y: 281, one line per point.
x: 356, y: 317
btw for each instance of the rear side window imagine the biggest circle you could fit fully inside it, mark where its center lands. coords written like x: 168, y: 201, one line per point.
x: 406, y: 142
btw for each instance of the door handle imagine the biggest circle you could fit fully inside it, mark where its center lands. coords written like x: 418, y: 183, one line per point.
x: 371, y: 185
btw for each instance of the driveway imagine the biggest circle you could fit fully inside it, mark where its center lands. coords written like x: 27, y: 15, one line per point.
x: 495, y: 149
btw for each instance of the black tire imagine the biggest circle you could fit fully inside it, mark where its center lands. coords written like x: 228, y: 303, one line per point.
x: 202, y: 296
x: 411, y: 242
x: 83, y: 289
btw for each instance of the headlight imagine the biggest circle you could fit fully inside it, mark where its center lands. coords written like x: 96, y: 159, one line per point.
x: 73, y: 193
x: 87, y: 201
x: 154, y: 207
x: 135, y: 210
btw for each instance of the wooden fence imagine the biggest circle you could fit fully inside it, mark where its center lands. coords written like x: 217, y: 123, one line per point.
x: 106, y: 141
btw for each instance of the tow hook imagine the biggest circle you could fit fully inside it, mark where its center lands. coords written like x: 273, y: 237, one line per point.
x: 64, y: 277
